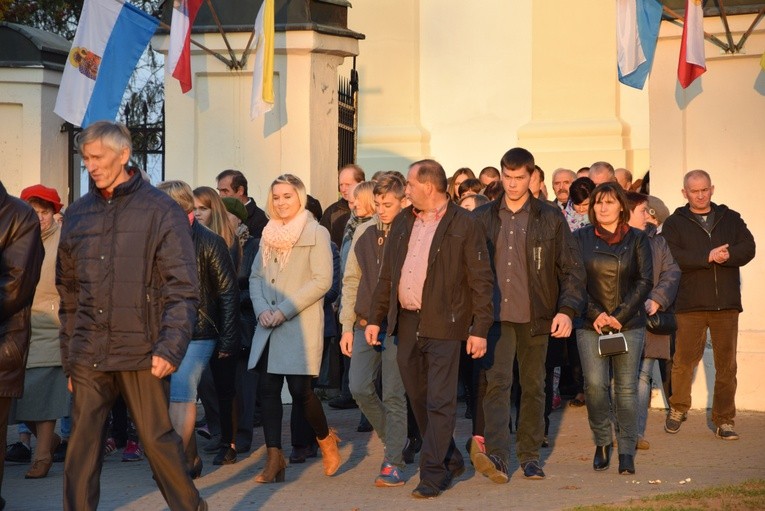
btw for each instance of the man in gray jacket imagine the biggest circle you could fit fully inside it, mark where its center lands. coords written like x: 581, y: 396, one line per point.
x: 127, y: 277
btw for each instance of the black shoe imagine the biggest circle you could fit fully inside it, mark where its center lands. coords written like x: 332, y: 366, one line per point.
x: 425, y: 491
x: 226, y: 456
x: 342, y: 403
x: 451, y: 476
x: 242, y: 448
x: 626, y: 464
x: 491, y: 466
x: 364, y: 425
x: 18, y: 453
x: 196, y: 471
x: 300, y: 453
x: 59, y: 454
x: 412, y: 447
x: 532, y: 470
x: 602, y: 458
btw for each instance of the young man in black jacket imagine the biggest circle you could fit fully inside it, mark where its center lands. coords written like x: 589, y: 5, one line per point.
x: 711, y: 243
x: 539, y: 288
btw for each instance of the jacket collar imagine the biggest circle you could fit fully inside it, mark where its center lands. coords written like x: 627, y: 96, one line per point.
x: 134, y: 183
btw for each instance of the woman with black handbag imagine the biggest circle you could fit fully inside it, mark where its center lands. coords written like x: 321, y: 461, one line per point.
x: 660, y: 323
x: 617, y: 259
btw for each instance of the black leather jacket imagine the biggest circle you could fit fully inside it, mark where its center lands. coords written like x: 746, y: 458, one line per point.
x: 218, y: 313
x: 21, y: 256
x: 556, y: 274
x: 619, y: 277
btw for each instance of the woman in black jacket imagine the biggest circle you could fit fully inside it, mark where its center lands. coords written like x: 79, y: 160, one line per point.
x: 617, y: 259
x: 216, y: 331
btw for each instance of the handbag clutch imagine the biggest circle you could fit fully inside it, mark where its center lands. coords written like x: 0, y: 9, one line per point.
x: 612, y: 344
x: 661, y: 323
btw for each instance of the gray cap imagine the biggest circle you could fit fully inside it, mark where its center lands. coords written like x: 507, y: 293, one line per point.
x: 657, y: 209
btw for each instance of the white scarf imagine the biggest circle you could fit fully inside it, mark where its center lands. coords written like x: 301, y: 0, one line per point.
x: 278, y: 238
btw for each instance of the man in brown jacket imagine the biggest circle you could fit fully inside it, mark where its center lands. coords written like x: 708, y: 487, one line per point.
x: 21, y: 256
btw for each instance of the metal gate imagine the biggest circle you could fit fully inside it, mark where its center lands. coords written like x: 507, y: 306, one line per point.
x: 347, y: 123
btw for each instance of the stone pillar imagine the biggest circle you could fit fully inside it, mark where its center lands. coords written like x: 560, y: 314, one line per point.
x: 575, y: 98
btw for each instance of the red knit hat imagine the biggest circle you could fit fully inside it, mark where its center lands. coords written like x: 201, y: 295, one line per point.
x: 43, y: 193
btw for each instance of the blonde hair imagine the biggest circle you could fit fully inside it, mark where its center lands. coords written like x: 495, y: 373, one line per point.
x: 364, y: 193
x: 219, y: 223
x: 286, y: 179
x: 180, y: 192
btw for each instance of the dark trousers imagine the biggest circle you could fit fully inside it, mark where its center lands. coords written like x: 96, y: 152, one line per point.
x: 515, y: 339
x: 429, y: 369
x: 689, y: 349
x: 224, y: 377
x: 147, y: 400
x: 245, y: 403
x: 270, y: 396
x: 5, y: 408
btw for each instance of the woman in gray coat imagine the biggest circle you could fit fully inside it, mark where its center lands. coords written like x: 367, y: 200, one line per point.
x: 290, y: 276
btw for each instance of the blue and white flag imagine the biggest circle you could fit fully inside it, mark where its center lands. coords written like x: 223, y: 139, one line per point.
x: 110, y: 38
x: 637, y: 30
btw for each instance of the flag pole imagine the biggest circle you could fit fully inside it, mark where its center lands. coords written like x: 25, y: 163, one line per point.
x: 218, y: 56
x: 234, y: 63
x: 709, y: 37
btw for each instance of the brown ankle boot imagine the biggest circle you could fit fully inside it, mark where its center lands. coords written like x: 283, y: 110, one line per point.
x: 329, y: 453
x: 274, y: 469
x: 39, y: 469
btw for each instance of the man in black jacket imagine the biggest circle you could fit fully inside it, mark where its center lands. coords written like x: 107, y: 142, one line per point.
x: 435, y: 290
x: 21, y: 256
x: 127, y: 278
x: 539, y: 288
x: 232, y: 183
x: 711, y: 243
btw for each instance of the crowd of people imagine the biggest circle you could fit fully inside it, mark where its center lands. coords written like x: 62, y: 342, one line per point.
x: 406, y: 291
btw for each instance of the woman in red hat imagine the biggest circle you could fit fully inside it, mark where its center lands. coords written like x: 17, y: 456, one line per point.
x: 46, y: 397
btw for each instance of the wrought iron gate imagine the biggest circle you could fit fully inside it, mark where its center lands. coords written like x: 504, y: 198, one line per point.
x: 347, y: 123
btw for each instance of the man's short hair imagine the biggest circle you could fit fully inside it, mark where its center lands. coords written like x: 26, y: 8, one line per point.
x: 470, y: 184
x: 237, y: 180
x: 561, y: 170
x: 492, y: 172
x: 517, y: 158
x: 430, y: 171
x: 358, y: 172
x: 180, y: 192
x: 635, y: 199
x: 541, y: 172
x: 113, y: 135
x: 604, y: 165
x: 696, y: 173
x: 390, y: 183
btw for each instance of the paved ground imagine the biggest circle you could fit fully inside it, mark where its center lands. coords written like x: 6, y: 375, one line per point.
x: 693, y: 455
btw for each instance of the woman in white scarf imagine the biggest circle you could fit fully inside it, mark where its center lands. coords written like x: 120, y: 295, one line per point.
x: 290, y: 276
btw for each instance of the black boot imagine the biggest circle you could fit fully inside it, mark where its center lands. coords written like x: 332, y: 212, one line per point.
x: 626, y: 464
x: 602, y: 458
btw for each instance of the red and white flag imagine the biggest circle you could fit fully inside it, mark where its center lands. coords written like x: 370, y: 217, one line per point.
x: 692, y: 61
x: 179, y: 54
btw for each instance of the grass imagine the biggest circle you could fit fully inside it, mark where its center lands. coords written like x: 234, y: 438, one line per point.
x: 737, y: 497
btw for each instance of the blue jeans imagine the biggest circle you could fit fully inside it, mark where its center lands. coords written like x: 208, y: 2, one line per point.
x: 387, y: 416
x: 597, y: 372
x: 184, y: 381
x: 644, y: 393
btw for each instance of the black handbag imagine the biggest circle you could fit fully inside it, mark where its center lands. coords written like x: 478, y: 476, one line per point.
x: 612, y: 344
x: 661, y: 323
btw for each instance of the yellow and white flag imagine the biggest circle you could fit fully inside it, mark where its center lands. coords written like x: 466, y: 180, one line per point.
x: 263, y: 75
